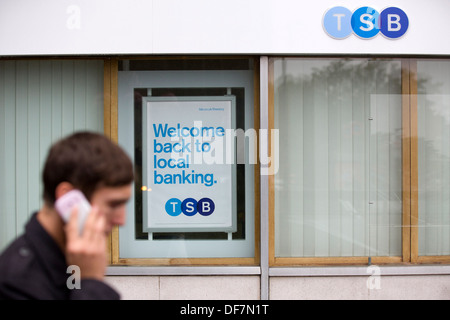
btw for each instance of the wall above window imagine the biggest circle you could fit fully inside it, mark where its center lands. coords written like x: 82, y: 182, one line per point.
x: 57, y: 27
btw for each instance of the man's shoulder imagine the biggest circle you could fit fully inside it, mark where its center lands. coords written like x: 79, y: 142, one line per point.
x: 16, y: 262
x: 15, y: 258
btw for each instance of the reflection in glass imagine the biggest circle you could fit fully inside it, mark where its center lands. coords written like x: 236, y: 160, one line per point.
x: 434, y: 157
x: 339, y: 184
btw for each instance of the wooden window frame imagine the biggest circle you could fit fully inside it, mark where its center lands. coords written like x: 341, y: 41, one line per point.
x: 409, y: 183
x: 111, y: 85
x: 409, y: 234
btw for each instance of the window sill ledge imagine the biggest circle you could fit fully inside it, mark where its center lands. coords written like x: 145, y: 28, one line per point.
x: 409, y: 270
x: 332, y: 271
x: 181, y: 271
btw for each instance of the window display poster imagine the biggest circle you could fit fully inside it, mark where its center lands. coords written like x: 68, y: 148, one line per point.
x: 188, y: 164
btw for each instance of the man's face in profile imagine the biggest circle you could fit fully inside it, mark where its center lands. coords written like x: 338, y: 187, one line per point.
x: 111, y: 201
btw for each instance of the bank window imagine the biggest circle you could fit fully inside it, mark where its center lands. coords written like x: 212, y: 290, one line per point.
x: 184, y: 123
x: 433, y: 161
x: 364, y: 161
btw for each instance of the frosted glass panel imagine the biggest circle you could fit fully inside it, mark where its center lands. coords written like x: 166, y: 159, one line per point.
x: 339, y: 184
x: 40, y: 101
x: 434, y: 157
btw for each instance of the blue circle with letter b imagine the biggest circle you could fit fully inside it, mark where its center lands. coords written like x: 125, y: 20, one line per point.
x: 205, y: 206
x: 393, y: 22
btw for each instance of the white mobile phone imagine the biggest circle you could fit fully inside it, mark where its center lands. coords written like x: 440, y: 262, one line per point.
x: 65, y: 205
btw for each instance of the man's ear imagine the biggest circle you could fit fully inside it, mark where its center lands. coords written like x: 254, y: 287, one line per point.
x: 63, y: 188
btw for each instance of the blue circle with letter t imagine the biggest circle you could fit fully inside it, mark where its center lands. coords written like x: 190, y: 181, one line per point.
x: 173, y: 207
x: 337, y: 22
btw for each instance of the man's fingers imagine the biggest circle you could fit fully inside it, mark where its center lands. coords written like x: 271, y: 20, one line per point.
x: 95, y: 224
x: 88, y: 250
x: 72, y: 225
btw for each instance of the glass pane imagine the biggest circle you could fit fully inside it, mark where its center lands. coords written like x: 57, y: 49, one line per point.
x: 434, y: 156
x: 338, y: 188
x: 176, y: 83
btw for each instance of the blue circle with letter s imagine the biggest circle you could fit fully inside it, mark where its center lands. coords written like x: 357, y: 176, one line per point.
x: 189, y: 207
x: 365, y: 22
x: 337, y: 22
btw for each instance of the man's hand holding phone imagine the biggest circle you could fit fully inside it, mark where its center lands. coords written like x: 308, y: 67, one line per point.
x: 88, y: 249
x: 85, y: 234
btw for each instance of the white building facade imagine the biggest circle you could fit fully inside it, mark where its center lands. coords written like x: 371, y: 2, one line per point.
x: 283, y: 150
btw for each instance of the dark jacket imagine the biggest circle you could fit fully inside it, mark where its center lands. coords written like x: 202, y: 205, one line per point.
x: 34, y: 267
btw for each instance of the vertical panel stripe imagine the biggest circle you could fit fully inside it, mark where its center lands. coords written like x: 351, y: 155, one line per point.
x: 3, y: 226
x: 40, y: 101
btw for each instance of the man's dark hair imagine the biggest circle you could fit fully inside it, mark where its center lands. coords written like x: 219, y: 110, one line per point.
x: 88, y: 161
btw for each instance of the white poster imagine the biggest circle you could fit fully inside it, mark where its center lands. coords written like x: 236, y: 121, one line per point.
x: 189, y: 164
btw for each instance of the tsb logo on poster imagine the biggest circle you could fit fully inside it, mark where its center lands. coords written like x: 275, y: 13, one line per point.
x: 189, y: 207
x: 365, y: 22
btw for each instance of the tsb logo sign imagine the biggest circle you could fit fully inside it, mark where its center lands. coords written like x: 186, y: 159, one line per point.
x: 365, y: 22
x: 190, y: 207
